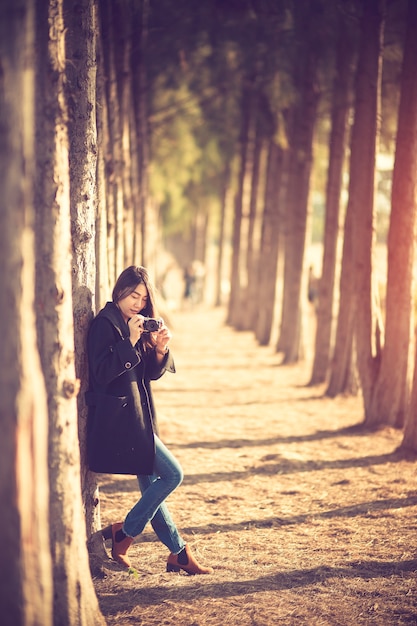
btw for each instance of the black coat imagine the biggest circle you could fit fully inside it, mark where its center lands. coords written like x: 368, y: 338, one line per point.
x: 121, y: 415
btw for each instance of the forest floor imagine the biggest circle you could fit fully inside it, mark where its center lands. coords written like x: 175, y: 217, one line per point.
x: 305, y: 517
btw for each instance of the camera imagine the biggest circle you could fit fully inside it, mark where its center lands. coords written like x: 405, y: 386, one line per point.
x: 150, y: 324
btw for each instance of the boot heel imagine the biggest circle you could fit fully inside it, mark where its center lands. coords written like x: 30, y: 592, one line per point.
x: 120, y: 548
x: 172, y: 568
x: 176, y: 563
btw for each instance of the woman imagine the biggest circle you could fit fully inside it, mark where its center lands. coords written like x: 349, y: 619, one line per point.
x: 122, y: 435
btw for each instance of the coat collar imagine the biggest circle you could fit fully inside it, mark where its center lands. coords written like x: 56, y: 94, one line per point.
x: 112, y: 312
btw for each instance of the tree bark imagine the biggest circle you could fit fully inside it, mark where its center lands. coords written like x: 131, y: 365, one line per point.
x: 357, y: 321
x: 337, y: 149
x: 75, y: 601
x: 409, y: 441
x: 81, y: 99
x: 103, y: 257
x: 343, y: 373
x: 401, y: 250
x: 251, y: 308
x: 224, y: 190
x: 302, y: 119
x: 391, y: 391
x: 361, y: 195
x: 113, y: 142
x: 25, y: 571
x: 237, y: 281
x: 121, y: 35
x: 270, y: 239
x: 140, y: 91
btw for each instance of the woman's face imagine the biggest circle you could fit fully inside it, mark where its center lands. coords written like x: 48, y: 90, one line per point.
x: 134, y: 303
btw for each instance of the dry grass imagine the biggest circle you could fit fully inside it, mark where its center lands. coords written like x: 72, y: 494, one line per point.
x: 305, y: 518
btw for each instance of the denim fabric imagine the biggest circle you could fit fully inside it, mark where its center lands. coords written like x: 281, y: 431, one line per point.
x: 151, y: 507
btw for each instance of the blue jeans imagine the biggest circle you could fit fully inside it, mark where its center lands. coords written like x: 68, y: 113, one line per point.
x: 151, y: 507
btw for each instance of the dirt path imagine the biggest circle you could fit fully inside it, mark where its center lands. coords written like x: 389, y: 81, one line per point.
x: 306, y: 519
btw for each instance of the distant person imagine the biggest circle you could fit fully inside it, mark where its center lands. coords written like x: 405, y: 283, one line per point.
x: 127, y: 348
x: 189, y: 283
x: 199, y: 273
x: 313, y: 286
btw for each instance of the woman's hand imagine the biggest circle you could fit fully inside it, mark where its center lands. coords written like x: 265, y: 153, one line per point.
x: 161, y: 339
x: 135, y: 325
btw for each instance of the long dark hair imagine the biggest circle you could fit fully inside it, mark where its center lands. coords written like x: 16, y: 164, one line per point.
x: 127, y: 282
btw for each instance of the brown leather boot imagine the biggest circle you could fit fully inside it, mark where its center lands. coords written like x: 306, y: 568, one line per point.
x: 118, y: 548
x: 186, y: 561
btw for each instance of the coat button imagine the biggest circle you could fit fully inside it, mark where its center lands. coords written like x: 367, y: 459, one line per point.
x: 128, y: 365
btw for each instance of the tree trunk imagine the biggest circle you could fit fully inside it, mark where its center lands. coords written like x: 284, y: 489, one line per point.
x: 81, y: 99
x: 302, y: 120
x: 237, y: 281
x: 120, y: 35
x: 270, y: 238
x: 142, y: 246
x: 75, y: 601
x: 391, y: 393
x: 409, y: 441
x: 123, y: 25
x: 222, y: 235
x: 356, y: 310
x: 340, y: 108
x: 102, y: 254
x: 25, y: 571
x: 343, y: 378
x: 251, y: 308
x: 113, y: 146
x: 361, y: 195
